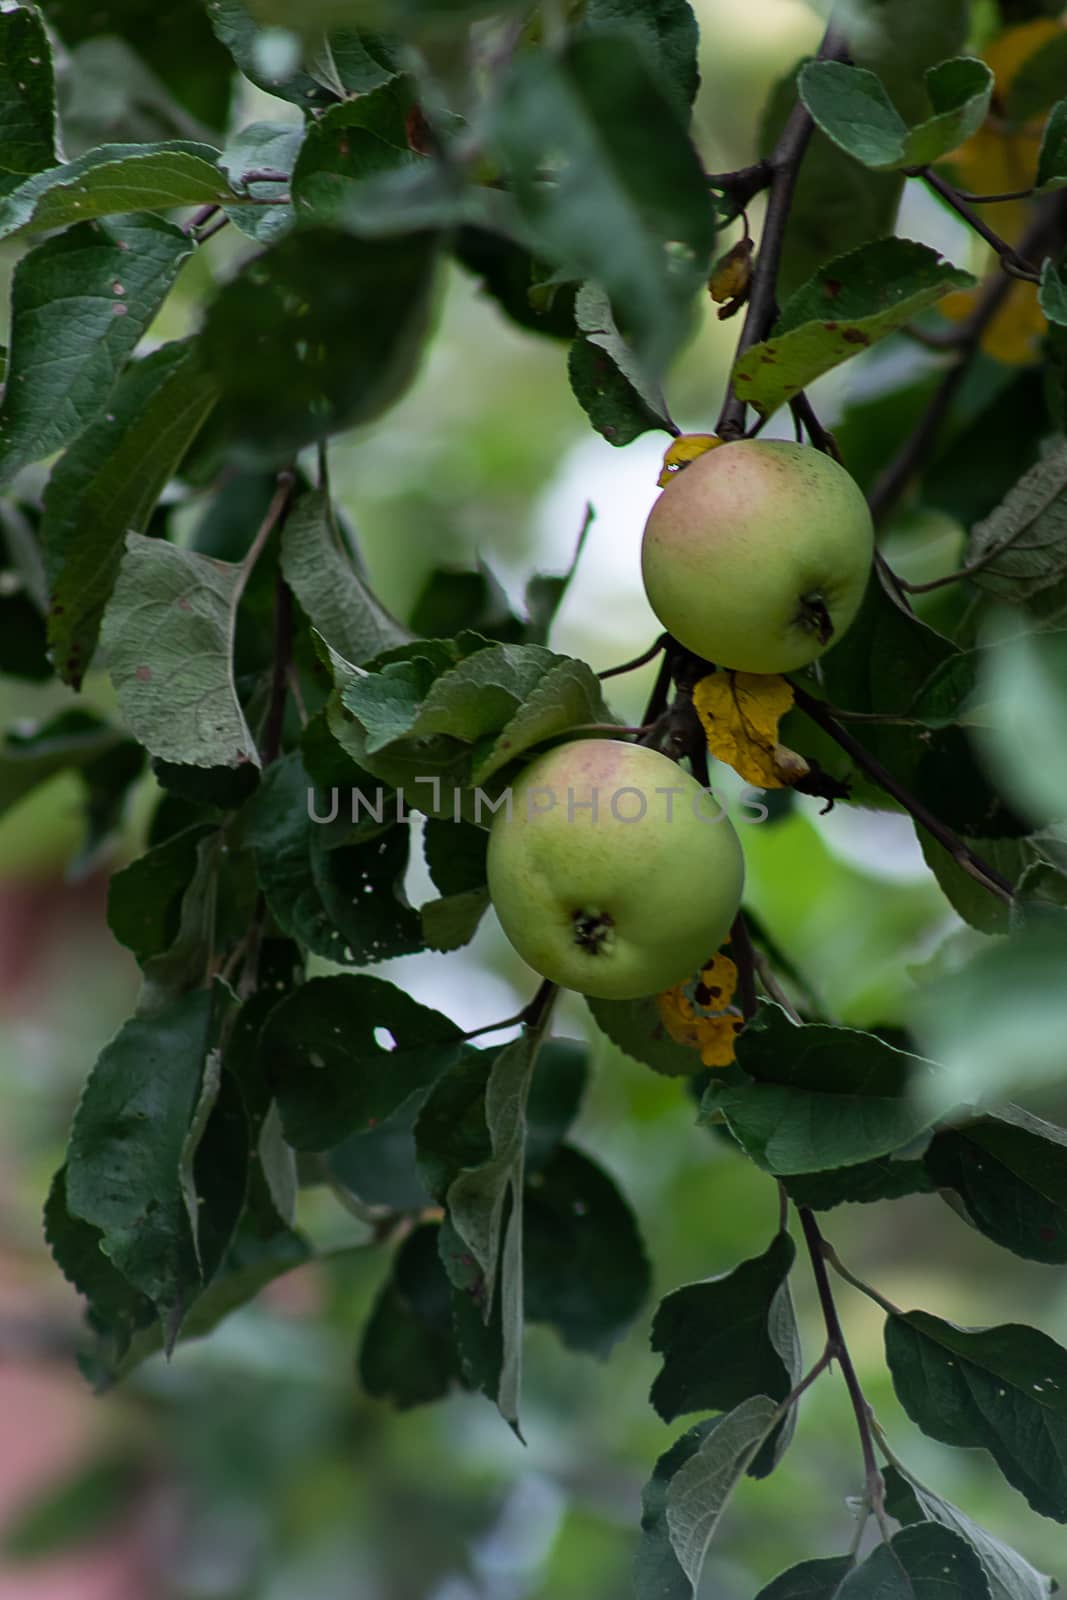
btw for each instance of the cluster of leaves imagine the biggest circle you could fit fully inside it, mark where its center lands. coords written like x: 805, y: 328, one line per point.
x: 183, y: 540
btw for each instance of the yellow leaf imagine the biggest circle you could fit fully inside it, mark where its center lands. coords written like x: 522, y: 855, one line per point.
x: 731, y: 273
x: 740, y: 712
x: 681, y: 451
x: 705, y: 1021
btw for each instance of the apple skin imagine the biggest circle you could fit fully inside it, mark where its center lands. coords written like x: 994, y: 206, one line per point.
x: 754, y: 551
x: 614, y: 909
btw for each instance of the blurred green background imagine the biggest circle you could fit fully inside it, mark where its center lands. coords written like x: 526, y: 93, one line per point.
x: 253, y: 1468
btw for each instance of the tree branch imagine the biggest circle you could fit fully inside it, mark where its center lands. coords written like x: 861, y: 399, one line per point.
x: 961, y: 853
x: 784, y: 163
x: 1011, y: 259
x: 835, y: 1343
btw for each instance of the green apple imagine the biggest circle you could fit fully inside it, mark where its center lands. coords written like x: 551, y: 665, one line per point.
x: 614, y: 873
x: 757, y: 554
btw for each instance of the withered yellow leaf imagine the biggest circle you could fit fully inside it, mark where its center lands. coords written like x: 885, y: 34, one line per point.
x: 681, y: 451
x: 731, y: 273
x: 740, y: 712
x: 705, y: 1021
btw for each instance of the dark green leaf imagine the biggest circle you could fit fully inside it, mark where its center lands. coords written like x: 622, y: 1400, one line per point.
x: 627, y: 203
x: 77, y: 1248
x: 809, y: 1098
x: 1009, y: 1577
x: 325, y: 1060
x: 79, y: 304
x: 408, y: 1354
x: 606, y: 377
x: 380, y: 1165
x: 1009, y: 1174
x: 1039, y: 80
x: 112, y: 179
x: 1052, y: 295
x: 636, y: 1026
x: 585, y: 1269
x: 728, y: 1338
x: 29, y: 756
x: 454, y: 598
x: 263, y: 147
x: 1001, y: 1389
x: 107, y: 484
x: 1052, y: 161
x: 811, y: 1580
x: 348, y: 62
x: 700, y: 1489
x: 884, y: 1179
x: 521, y: 285
x: 23, y: 638
x: 665, y: 32
x: 851, y: 106
x: 1021, y: 547
x: 300, y: 383
x: 927, y: 1562
x: 336, y: 889
x: 336, y: 598
x: 850, y: 304
x: 144, y: 899
x: 656, y: 1572
x: 27, y: 93
x: 126, y: 1148
x: 349, y: 143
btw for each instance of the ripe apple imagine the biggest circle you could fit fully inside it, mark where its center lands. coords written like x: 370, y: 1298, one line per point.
x: 757, y: 554
x: 615, y: 873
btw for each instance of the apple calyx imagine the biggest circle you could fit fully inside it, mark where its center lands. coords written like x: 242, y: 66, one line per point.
x: 594, y: 931
x: 813, y: 615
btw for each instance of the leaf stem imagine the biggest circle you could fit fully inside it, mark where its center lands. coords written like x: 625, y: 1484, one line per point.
x: 784, y: 163
x: 741, y: 944
x: 857, y: 1283
x: 838, y: 1349
x: 961, y: 852
x: 638, y: 661
x: 1012, y: 260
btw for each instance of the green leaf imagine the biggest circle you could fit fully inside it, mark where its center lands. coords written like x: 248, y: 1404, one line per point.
x: 584, y: 1267
x: 115, y: 178
x: 1023, y: 694
x: 811, y: 1580
x: 887, y: 1178
x: 350, y: 143
x: 727, y: 1338
x: 338, y: 890
x: 1008, y: 1575
x: 626, y: 202
x: 607, y: 380
x: 1052, y: 295
x: 263, y: 147
x: 665, y: 32
x: 347, y: 62
x: 1008, y: 1175
x: 1001, y: 1389
x: 852, y: 107
x: 30, y: 755
x: 498, y: 702
x: 700, y: 1489
x: 1020, y: 549
x: 455, y: 855
x: 989, y: 1050
x: 338, y: 601
x: 656, y: 1572
x: 521, y: 285
x: 28, y: 128
x: 126, y: 1145
x: 480, y: 1198
x: 87, y: 1503
x: 1039, y: 80
x: 168, y: 632
x: 812, y: 1097
x: 76, y: 1248
x: 144, y: 899
x: 303, y: 383
x: 408, y: 1354
x: 850, y: 304
x: 636, y: 1026
x: 79, y: 304
x: 927, y: 1562
x: 107, y: 485
x: 1052, y: 160
x: 332, y: 1074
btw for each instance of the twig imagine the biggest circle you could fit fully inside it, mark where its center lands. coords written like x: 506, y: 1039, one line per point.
x: 741, y: 944
x: 638, y: 661
x: 821, y: 438
x: 743, y: 183
x: 209, y: 233
x: 994, y: 199
x: 267, y: 175
x: 198, y: 219
x: 275, y: 516
x: 1011, y: 259
x: 857, y: 1283
x: 961, y: 853
x: 657, y: 700
x: 773, y: 987
x: 784, y: 162
x: 835, y: 1340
